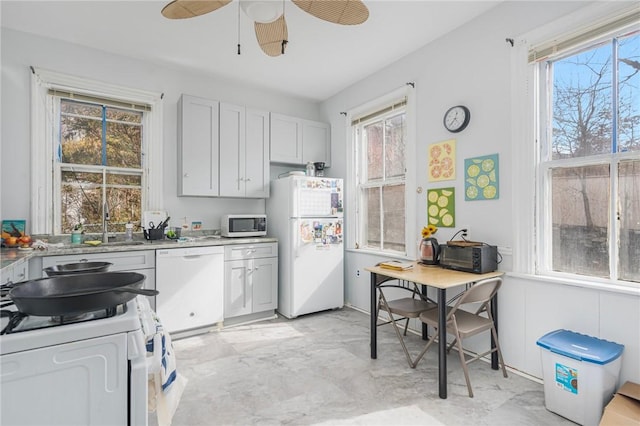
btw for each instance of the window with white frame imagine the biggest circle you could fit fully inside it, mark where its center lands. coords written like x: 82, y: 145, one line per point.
x: 93, y: 146
x: 98, y: 165
x: 588, y: 212
x: 380, y: 141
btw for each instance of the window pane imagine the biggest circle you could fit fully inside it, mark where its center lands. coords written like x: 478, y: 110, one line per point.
x: 394, y: 146
x: 81, y: 202
x: 580, y: 217
x: 81, y: 139
x: 629, y: 93
x: 629, y: 189
x: 80, y: 108
x: 124, y: 206
x: 582, y: 96
x: 393, y: 201
x: 373, y: 226
x: 374, y: 148
x: 124, y: 142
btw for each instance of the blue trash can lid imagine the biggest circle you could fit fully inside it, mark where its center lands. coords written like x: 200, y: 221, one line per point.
x: 581, y: 347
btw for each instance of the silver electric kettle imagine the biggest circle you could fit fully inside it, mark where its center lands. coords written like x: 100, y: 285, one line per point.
x: 429, y: 251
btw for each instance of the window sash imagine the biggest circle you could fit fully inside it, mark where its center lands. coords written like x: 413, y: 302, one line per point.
x: 364, y: 183
x: 546, y: 165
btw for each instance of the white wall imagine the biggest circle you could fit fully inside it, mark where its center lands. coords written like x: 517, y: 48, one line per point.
x: 21, y: 50
x: 471, y: 66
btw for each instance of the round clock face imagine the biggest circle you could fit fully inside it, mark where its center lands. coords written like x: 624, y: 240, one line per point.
x: 457, y: 118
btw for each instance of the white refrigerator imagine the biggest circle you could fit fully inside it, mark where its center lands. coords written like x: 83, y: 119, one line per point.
x: 305, y: 214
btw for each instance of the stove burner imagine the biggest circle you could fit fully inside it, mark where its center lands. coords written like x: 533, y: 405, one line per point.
x: 59, y: 320
x: 21, y: 322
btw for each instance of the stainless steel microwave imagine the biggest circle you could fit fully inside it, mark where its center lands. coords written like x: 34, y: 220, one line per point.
x: 477, y: 259
x: 243, y: 225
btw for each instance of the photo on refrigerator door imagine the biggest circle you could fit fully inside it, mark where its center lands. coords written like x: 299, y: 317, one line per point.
x: 321, y: 232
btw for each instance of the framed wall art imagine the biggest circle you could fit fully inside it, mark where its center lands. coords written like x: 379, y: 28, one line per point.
x: 481, y: 180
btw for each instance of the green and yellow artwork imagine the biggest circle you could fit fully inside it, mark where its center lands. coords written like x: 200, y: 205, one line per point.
x: 441, y: 207
x: 481, y: 178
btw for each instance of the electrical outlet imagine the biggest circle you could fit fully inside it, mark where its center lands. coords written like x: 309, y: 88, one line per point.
x: 465, y: 232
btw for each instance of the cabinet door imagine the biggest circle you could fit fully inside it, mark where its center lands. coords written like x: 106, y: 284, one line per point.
x: 286, y: 139
x: 232, y: 150
x: 316, y: 142
x: 198, y: 145
x: 237, y: 296
x: 264, y: 284
x: 256, y: 176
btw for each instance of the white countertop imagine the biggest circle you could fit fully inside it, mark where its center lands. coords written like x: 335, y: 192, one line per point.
x: 9, y: 256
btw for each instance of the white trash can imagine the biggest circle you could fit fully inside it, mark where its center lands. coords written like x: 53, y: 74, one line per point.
x: 580, y: 374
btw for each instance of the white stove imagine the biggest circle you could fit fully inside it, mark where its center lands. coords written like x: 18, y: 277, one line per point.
x: 87, y: 370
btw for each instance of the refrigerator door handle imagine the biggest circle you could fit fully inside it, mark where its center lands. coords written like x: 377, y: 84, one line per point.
x: 296, y: 239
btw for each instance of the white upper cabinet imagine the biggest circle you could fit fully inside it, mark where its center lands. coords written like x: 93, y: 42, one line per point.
x: 244, y: 152
x: 198, y: 146
x: 297, y: 141
x: 316, y: 142
x: 286, y: 139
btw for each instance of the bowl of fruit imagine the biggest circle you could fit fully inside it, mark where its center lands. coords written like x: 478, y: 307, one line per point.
x: 12, y: 241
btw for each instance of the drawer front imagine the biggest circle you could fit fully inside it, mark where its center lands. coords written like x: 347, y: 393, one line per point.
x: 122, y: 261
x: 250, y: 251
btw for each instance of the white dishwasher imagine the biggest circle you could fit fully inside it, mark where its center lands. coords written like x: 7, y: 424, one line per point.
x: 191, y: 285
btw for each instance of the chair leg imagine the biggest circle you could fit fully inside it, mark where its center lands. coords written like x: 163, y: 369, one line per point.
x: 495, y: 339
x: 425, y: 349
x: 397, y: 330
x: 463, y: 361
x: 406, y: 326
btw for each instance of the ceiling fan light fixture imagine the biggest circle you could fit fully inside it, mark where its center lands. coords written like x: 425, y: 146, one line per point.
x: 262, y: 11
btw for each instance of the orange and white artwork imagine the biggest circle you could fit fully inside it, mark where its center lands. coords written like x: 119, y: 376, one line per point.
x: 442, y: 161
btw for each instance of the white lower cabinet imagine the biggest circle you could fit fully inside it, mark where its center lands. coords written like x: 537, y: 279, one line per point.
x: 251, y: 279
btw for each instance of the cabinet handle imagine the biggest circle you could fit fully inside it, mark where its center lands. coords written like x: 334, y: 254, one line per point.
x: 192, y: 314
x: 186, y: 175
x: 247, y: 179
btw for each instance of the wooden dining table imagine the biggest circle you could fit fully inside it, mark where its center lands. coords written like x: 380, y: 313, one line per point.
x: 441, y: 279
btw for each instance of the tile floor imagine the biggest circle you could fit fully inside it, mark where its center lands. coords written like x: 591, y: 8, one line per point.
x: 316, y: 370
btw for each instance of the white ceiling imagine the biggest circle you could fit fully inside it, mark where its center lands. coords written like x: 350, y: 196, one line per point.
x: 321, y: 58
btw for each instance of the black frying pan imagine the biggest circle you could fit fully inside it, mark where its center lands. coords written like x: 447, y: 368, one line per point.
x: 77, y: 268
x: 75, y: 294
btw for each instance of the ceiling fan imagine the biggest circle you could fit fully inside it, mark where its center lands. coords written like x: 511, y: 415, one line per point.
x: 268, y: 16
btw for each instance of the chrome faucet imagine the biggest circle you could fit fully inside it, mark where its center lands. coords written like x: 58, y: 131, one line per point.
x: 105, y: 220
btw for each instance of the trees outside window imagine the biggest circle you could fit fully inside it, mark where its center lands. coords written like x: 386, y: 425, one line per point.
x: 590, y: 160
x: 99, y: 160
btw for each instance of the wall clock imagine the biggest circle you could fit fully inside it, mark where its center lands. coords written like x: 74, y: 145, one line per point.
x: 456, y: 119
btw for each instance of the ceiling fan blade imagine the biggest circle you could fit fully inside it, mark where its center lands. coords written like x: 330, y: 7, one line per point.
x: 272, y: 37
x: 344, y: 12
x: 181, y: 9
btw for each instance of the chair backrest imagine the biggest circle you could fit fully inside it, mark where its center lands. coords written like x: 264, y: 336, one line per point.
x: 481, y: 292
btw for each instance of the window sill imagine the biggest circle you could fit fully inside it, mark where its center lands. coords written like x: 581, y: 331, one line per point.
x: 611, y: 286
x: 386, y: 255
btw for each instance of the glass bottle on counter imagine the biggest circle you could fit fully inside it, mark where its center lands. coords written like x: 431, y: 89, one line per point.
x: 128, y: 232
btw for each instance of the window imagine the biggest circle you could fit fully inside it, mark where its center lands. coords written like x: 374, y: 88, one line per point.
x: 98, y: 163
x: 589, y: 169
x: 92, y: 143
x: 380, y: 146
